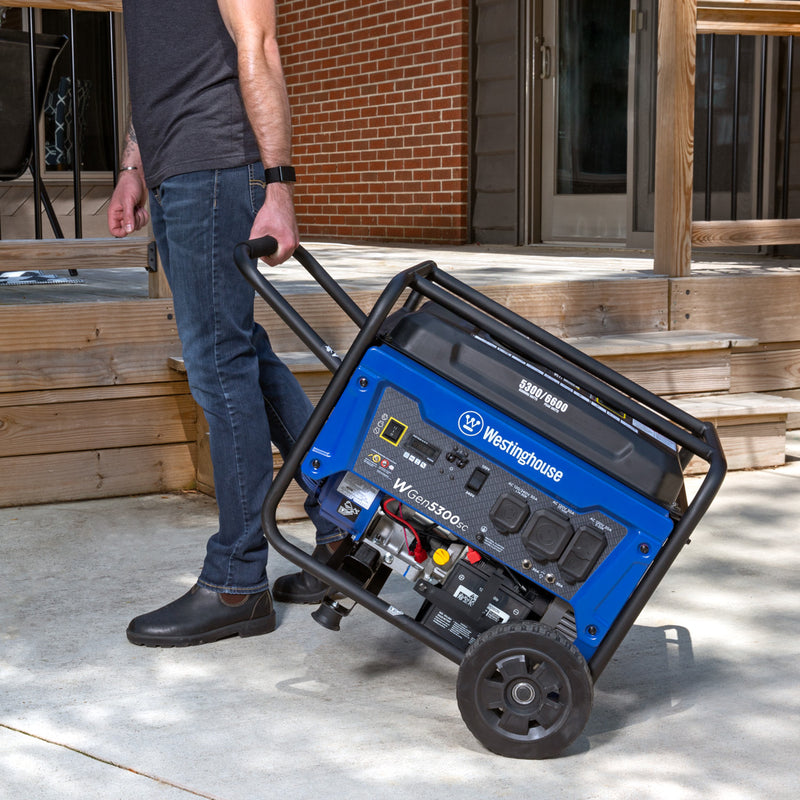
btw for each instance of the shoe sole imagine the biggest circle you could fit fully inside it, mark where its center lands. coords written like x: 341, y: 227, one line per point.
x: 256, y: 627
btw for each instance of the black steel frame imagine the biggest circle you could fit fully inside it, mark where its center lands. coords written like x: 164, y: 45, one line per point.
x: 522, y: 337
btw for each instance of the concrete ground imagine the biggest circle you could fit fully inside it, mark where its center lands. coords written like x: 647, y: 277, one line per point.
x: 701, y: 701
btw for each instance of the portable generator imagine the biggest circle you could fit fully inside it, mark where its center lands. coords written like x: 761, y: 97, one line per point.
x: 532, y: 497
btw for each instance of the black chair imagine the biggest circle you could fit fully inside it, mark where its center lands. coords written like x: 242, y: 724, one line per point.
x: 16, y: 123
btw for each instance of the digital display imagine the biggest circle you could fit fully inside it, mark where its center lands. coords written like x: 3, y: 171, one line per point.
x: 425, y: 449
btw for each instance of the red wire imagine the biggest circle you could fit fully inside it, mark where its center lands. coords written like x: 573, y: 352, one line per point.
x: 419, y: 553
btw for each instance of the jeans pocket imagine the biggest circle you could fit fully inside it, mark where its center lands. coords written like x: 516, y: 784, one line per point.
x: 257, y: 185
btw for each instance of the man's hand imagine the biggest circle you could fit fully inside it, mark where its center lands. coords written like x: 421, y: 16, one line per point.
x: 127, y: 211
x: 276, y: 218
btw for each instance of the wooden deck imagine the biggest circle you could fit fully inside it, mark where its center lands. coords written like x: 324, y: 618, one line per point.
x: 362, y: 267
x: 17, y: 205
x: 91, y: 406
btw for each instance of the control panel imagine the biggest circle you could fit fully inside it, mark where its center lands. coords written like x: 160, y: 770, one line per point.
x: 516, y: 522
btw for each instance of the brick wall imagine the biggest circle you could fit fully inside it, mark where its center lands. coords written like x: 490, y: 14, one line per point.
x: 379, y: 106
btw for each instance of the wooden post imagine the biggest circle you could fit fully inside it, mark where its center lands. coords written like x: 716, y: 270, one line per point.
x: 157, y: 285
x: 672, y: 241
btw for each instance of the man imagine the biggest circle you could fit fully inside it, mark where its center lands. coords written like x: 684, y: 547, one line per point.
x: 211, y: 140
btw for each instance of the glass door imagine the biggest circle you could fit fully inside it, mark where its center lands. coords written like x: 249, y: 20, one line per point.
x: 583, y: 64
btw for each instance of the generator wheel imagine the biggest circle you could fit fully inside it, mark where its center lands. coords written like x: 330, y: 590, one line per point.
x: 524, y: 690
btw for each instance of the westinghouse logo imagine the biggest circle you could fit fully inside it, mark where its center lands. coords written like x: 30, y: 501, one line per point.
x: 523, y: 457
x: 470, y: 423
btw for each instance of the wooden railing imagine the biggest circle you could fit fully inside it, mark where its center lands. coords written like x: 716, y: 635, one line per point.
x: 76, y: 5
x: 748, y: 17
x: 679, y: 22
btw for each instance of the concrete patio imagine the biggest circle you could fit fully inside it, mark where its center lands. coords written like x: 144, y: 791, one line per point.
x: 701, y: 700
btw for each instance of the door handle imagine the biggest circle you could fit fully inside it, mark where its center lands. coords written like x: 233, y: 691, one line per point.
x: 546, y: 55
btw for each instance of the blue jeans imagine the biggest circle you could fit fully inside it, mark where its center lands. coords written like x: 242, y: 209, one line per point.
x: 248, y: 395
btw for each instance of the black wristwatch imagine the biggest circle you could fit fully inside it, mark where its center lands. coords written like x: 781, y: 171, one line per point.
x: 280, y: 175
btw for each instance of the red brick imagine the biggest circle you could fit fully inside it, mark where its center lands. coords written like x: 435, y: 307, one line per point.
x: 379, y: 97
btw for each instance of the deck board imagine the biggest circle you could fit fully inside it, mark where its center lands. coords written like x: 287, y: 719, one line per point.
x: 91, y: 406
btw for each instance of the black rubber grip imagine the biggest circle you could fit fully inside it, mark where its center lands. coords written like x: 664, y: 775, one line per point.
x: 263, y: 247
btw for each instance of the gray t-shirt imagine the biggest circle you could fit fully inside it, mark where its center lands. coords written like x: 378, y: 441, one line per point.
x: 187, y: 106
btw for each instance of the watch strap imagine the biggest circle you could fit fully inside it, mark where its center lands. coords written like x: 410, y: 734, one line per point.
x: 280, y: 175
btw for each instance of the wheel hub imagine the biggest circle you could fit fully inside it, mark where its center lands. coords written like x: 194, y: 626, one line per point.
x: 523, y: 693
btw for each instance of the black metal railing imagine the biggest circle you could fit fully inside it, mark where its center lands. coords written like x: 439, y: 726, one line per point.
x: 73, y: 45
x: 727, y: 127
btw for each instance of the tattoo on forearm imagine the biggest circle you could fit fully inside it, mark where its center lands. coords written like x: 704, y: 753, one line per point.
x: 130, y: 151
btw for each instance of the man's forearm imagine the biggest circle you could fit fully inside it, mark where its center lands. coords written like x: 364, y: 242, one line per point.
x: 131, y: 157
x: 252, y: 26
x: 267, y: 103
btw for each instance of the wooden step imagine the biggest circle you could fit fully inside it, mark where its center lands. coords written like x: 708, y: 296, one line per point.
x: 669, y: 362
x: 97, y: 441
x: 773, y: 369
x: 649, y: 342
x: 751, y: 426
x: 88, y: 407
x: 678, y: 364
x: 80, y: 254
x: 793, y: 419
x: 133, y: 252
x: 665, y: 362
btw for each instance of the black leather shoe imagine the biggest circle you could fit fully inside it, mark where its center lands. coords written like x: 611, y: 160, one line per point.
x: 302, y: 587
x: 202, y: 616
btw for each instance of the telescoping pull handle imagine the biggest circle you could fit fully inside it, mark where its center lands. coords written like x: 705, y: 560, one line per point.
x: 245, y: 255
x: 267, y: 245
